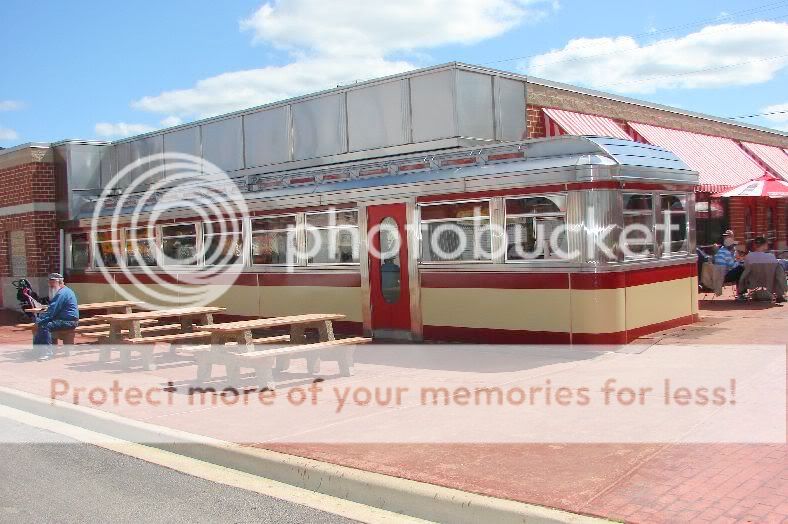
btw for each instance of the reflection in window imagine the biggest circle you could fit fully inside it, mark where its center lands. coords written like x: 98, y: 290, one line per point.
x: 536, y: 227
x: 222, y: 243
x: 140, y: 247
x: 390, y: 264
x: 274, y: 240
x: 108, y: 249
x: 674, y: 222
x: 457, y: 231
x: 332, y: 237
x: 80, y: 251
x: 637, y: 239
x: 179, y: 244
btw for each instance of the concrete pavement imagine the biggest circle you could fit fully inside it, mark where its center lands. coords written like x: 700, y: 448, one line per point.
x: 638, y: 482
x: 57, y: 479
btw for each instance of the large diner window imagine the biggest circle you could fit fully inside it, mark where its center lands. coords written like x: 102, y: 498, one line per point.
x: 79, y: 251
x: 456, y: 232
x: 673, y: 233
x: 179, y: 244
x: 107, y: 249
x: 274, y: 240
x: 536, y: 228
x: 140, y: 247
x: 222, y: 243
x: 637, y: 238
x: 332, y: 237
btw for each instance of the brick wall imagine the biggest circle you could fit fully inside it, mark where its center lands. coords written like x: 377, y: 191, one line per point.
x: 27, y: 204
x: 757, y: 208
x: 535, y: 125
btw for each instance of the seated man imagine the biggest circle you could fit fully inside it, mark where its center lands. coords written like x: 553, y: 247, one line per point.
x: 726, y: 256
x: 760, y: 255
x: 62, y: 313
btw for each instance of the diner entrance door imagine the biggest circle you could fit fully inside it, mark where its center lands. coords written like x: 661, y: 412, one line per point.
x: 388, y: 271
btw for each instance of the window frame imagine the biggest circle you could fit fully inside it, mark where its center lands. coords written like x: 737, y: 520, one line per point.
x: 421, y: 230
x: 156, y: 247
x: 685, y: 212
x: 70, y: 251
x: 94, y: 255
x: 654, y: 254
x: 298, y: 240
x: 203, y: 235
x: 197, y: 245
x: 304, y: 237
x: 506, y: 216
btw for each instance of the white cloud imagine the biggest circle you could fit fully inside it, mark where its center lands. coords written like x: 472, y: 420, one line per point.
x: 779, y: 117
x: 332, y: 45
x: 716, y: 56
x: 171, y: 121
x: 121, y: 129
x: 379, y: 27
x: 8, y: 134
x: 779, y: 112
x: 242, y: 89
x: 11, y: 105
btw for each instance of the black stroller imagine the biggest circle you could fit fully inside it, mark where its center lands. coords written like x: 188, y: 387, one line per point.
x: 27, y: 297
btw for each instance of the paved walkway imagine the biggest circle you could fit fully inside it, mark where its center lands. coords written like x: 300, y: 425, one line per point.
x: 637, y: 482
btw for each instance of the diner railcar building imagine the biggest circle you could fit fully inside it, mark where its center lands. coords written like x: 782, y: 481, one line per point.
x: 453, y: 144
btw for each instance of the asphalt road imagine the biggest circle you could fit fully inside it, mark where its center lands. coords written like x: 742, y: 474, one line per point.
x: 52, y: 481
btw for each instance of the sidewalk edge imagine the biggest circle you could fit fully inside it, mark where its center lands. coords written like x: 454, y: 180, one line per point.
x: 408, y: 497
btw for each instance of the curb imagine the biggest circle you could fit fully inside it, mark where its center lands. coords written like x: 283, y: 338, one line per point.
x: 407, y: 497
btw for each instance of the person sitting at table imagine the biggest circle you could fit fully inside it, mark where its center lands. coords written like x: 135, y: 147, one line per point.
x: 760, y: 256
x: 62, y: 313
x: 726, y: 256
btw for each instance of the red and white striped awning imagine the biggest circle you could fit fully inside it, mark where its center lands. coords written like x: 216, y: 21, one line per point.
x: 571, y: 123
x: 720, y: 162
x: 775, y: 158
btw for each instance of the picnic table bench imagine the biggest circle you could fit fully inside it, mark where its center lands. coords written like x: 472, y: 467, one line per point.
x: 263, y: 362
x: 231, y: 340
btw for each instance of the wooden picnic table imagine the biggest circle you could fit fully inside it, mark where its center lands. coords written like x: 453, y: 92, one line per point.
x: 122, y: 306
x: 241, y: 331
x: 131, y: 321
x: 230, y: 339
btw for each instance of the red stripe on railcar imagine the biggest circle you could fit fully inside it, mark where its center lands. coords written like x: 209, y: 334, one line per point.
x: 495, y: 280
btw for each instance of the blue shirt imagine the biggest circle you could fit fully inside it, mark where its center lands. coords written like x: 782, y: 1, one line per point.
x: 62, y: 307
x: 725, y: 257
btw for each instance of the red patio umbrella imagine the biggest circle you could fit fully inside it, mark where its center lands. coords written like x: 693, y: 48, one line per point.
x: 766, y: 186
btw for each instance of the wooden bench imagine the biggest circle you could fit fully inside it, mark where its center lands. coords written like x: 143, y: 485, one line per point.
x: 145, y: 346
x: 103, y: 335
x: 206, y: 355
x: 263, y: 362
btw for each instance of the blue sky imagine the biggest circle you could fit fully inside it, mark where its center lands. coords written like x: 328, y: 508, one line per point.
x: 104, y: 70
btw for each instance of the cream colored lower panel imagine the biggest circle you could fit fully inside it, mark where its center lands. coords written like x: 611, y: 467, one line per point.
x: 598, y: 310
x: 238, y: 300
x: 87, y: 293
x: 276, y: 301
x: 515, y: 309
x: 659, y: 302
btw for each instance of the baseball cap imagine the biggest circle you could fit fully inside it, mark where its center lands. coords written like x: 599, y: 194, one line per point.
x: 55, y: 276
